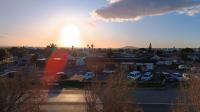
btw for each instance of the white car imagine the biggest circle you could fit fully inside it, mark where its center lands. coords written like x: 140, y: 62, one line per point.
x: 108, y: 71
x: 88, y: 75
x: 186, y: 76
x: 135, y: 75
x: 183, y: 67
x: 178, y: 76
x: 147, y: 76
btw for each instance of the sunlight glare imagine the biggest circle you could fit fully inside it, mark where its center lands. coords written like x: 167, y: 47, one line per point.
x: 70, y: 36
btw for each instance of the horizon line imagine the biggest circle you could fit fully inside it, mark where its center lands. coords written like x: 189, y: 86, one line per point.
x: 101, y: 47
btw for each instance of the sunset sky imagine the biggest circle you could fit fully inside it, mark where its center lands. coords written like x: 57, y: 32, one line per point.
x: 104, y: 23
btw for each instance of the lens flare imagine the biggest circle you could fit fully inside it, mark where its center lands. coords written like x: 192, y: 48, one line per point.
x: 56, y: 63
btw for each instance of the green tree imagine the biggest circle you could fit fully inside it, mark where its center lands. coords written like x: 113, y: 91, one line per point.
x: 3, y: 54
x: 75, y: 53
x: 18, y: 51
x: 160, y: 52
x: 109, y: 52
x: 199, y: 49
x: 150, y: 47
x: 185, y: 52
x: 50, y: 48
x: 34, y: 59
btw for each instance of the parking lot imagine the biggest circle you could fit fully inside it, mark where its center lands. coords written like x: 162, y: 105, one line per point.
x: 78, y: 72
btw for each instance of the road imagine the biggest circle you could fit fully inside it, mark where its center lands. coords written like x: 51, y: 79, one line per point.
x: 155, y: 100
x: 151, y: 100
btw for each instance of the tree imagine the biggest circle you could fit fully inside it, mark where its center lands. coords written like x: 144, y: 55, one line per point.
x: 19, y: 94
x: 120, y: 50
x: 150, y: 47
x: 92, y: 46
x: 74, y: 53
x: 88, y: 46
x: 50, y: 48
x: 160, y: 52
x: 107, y: 98
x: 199, y: 49
x: 72, y: 48
x: 3, y: 54
x: 185, y: 52
x: 34, y: 58
x: 188, y: 99
x: 109, y: 52
x: 143, y: 50
x: 99, y: 50
x: 17, y: 51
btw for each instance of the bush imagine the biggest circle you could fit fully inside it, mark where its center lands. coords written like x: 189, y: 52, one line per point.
x: 19, y: 95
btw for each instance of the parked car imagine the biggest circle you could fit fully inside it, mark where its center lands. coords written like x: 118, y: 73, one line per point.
x: 107, y: 71
x: 10, y: 74
x: 168, y: 77
x: 195, y: 69
x: 178, y: 76
x: 186, y: 76
x: 183, y: 67
x: 88, y: 75
x: 147, y: 76
x: 135, y: 75
x: 61, y: 75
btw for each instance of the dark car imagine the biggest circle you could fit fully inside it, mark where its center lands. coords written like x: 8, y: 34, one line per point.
x: 10, y: 74
x: 169, y: 77
x: 61, y: 75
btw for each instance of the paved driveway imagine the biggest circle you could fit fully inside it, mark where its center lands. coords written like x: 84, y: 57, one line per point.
x: 151, y: 100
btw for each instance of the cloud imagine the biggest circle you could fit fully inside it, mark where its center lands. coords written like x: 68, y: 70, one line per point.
x: 3, y: 36
x: 134, y: 10
x: 113, y: 1
x: 190, y: 11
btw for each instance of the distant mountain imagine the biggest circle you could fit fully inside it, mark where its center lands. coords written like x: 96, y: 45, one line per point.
x: 129, y: 47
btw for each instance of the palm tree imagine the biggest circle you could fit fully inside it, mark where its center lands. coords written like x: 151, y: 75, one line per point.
x: 88, y: 45
x: 92, y: 46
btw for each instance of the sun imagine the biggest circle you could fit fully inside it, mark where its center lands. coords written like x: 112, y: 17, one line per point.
x: 70, y: 35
